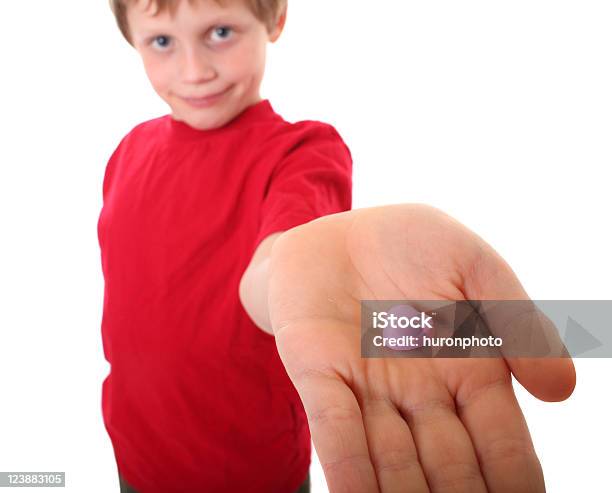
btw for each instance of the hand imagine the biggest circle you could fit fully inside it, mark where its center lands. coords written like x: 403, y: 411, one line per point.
x: 403, y: 424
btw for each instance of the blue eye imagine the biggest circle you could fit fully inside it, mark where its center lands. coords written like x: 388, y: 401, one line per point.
x: 222, y: 33
x: 165, y: 41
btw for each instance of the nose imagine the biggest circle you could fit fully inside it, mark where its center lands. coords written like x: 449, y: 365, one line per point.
x: 198, y: 68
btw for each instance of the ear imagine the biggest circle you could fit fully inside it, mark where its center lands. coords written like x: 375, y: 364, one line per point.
x: 278, y: 26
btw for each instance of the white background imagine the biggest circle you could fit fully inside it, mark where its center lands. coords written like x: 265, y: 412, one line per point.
x: 499, y: 113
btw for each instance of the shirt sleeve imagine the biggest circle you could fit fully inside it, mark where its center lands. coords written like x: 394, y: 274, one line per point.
x: 314, y: 179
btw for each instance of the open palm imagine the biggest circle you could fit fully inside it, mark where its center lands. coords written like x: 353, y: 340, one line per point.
x: 403, y: 424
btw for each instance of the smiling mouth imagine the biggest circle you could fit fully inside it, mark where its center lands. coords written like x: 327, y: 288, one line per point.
x: 206, y: 100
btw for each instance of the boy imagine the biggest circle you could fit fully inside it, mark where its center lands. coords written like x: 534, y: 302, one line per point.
x: 209, y: 233
x: 197, y: 398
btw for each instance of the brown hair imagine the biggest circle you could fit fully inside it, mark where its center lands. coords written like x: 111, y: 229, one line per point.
x: 267, y: 11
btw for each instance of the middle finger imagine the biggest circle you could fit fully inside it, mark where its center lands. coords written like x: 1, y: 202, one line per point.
x: 445, y: 448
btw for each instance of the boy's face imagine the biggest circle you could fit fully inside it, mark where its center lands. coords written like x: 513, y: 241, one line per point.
x: 210, y: 52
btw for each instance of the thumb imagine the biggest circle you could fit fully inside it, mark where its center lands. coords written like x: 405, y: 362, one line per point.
x: 492, y: 280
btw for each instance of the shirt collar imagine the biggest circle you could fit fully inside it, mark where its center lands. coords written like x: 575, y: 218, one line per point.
x: 259, y: 111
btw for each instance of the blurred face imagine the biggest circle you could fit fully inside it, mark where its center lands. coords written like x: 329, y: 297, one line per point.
x: 206, y: 62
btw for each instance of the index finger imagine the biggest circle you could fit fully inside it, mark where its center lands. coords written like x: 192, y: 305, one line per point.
x: 492, y: 416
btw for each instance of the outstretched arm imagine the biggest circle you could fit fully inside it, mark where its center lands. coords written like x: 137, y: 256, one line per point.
x: 393, y: 424
x: 403, y: 424
x: 253, y: 291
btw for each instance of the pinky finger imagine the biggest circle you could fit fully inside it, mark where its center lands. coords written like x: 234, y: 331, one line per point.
x: 338, y: 432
